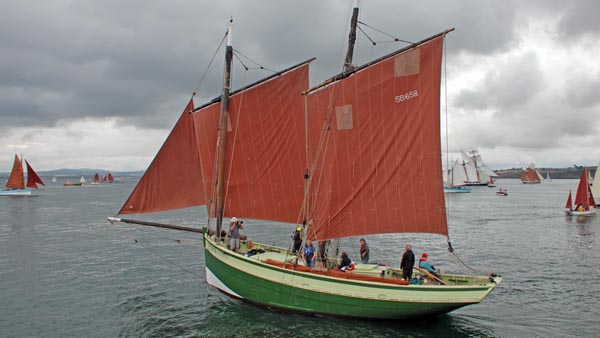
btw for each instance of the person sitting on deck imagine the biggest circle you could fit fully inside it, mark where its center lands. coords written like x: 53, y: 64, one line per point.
x: 346, y: 264
x: 424, y: 264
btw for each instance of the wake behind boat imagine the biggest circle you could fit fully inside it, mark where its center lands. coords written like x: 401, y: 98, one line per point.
x: 16, y: 186
x: 264, y: 181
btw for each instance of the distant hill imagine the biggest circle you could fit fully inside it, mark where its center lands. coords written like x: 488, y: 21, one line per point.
x: 555, y: 173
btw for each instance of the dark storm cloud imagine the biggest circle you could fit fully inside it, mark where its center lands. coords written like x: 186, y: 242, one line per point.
x: 511, y: 84
x: 580, y: 20
x: 582, y: 91
x: 140, y: 60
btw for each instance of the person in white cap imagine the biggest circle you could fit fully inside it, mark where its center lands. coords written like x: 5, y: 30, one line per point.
x: 234, y: 231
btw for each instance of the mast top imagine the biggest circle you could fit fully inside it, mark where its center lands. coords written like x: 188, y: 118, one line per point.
x: 229, y: 33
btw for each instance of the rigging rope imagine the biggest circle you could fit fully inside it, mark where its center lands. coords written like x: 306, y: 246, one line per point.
x: 209, y: 64
x: 249, y: 59
x: 143, y: 246
x: 384, y: 33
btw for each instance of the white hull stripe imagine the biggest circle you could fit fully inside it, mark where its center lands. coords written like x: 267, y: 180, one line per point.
x: 214, y: 281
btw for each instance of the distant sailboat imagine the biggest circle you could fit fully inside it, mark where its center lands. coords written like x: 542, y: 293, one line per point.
x: 584, y: 201
x: 548, y: 179
x: 477, y: 172
x: 531, y: 175
x: 53, y: 179
x: 16, y: 186
x: 502, y: 192
x: 75, y: 184
x: 456, y: 179
x: 491, y: 184
x: 110, y: 178
x: 96, y: 180
x: 596, y: 185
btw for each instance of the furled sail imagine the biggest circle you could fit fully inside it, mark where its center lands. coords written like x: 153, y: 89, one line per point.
x: 375, y: 147
x: 173, y: 180
x: 15, y: 180
x: 32, y: 177
x: 266, y: 159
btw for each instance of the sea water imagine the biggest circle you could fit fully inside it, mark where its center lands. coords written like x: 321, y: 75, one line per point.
x: 66, y: 272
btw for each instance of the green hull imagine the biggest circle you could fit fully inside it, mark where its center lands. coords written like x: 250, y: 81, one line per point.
x: 250, y: 279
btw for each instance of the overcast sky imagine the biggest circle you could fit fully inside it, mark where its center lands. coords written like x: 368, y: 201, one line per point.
x: 99, y: 84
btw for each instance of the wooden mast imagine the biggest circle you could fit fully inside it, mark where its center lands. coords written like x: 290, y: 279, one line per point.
x: 222, y: 134
x: 351, y: 37
x: 323, y: 245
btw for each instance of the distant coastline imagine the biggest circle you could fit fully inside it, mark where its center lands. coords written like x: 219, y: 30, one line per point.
x: 555, y: 173
x: 83, y: 172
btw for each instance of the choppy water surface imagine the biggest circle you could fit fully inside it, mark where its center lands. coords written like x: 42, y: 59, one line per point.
x: 66, y: 272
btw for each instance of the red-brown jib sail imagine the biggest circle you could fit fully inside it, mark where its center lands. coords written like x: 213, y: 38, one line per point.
x: 32, y: 177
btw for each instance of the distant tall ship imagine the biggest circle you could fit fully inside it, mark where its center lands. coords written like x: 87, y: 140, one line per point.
x: 531, y: 175
x: 473, y: 170
x: 16, y: 186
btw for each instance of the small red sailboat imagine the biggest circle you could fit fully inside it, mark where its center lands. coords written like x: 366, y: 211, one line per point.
x: 16, y: 186
x: 584, y: 201
x: 531, y: 175
x: 97, y: 180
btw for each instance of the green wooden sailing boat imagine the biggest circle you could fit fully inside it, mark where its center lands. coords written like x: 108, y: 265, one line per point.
x: 344, y: 158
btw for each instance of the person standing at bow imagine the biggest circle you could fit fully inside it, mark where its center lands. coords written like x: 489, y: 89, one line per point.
x: 407, y: 263
x: 364, y: 251
x: 234, y: 234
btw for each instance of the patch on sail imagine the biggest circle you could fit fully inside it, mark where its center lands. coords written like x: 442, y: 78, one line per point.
x: 343, y: 116
x: 407, y: 63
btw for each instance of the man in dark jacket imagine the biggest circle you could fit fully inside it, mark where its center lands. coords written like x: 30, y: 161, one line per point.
x: 407, y: 263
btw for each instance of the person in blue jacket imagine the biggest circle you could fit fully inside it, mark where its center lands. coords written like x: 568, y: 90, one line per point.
x: 424, y: 264
x: 309, y: 254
